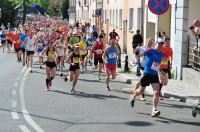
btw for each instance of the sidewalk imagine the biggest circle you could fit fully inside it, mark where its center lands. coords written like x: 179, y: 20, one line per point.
x: 176, y: 89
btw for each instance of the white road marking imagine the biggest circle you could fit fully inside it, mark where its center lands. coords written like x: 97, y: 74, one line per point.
x: 15, y: 115
x: 22, y: 70
x: 14, y: 104
x: 24, y: 128
x: 14, y: 92
x: 23, y: 105
x: 16, y: 84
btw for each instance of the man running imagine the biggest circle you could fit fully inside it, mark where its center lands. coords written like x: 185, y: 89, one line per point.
x: 110, y: 56
x: 153, y: 60
x: 83, y: 53
x: 98, y: 49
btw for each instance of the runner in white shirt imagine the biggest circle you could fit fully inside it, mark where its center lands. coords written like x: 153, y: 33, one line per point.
x: 30, y: 46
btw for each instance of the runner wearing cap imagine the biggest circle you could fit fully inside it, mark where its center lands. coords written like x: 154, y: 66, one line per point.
x: 30, y: 46
x: 150, y: 76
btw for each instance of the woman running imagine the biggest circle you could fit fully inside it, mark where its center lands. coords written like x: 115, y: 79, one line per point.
x: 51, y: 53
x: 74, y: 60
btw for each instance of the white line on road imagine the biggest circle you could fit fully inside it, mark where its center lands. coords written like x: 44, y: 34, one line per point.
x: 24, y: 128
x: 15, y: 115
x: 14, y: 104
x: 15, y: 84
x: 14, y: 92
x: 23, y: 106
x: 22, y: 70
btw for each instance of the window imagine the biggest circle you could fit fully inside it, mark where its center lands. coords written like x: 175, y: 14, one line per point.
x: 120, y: 18
x: 131, y: 19
x: 139, y: 19
x: 110, y: 17
x: 116, y: 19
x: 113, y: 18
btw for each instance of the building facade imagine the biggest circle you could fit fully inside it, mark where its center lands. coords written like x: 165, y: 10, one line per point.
x: 72, y: 11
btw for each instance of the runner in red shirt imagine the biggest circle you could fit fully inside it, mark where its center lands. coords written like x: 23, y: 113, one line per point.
x: 17, y: 45
x: 98, y: 49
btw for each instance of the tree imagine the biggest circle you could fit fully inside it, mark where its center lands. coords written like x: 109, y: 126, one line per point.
x: 64, y: 6
x: 8, y: 12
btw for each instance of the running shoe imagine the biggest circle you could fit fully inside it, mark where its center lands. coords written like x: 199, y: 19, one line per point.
x: 108, y: 88
x: 65, y: 79
x: 40, y: 67
x: 143, y: 98
x: 98, y: 78
x: 73, y: 91
x: 61, y: 74
x: 155, y: 113
x: 161, y: 97
x: 132, y: 101
x: 47, y: 88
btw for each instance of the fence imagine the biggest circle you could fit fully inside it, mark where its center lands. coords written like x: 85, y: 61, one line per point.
x: 193, y: 59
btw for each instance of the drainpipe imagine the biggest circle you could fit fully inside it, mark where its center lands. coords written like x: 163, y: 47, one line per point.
x: 142, y: 21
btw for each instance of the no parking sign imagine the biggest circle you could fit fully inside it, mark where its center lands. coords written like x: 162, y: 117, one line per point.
x: 158, y: 7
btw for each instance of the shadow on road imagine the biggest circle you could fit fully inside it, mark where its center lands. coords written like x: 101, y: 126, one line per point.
x: 87, y: 95
x: 78, y: 122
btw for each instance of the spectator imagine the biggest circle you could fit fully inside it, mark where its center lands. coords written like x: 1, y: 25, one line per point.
x: 137, y: 40
x: 114, y: 35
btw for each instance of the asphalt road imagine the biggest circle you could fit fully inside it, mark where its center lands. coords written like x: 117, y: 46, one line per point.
x: 25, y: 105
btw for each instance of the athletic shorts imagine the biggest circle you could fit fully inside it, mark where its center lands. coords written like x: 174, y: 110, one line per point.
x: 17, y: 49
x: 148, y: 79
x: 23, y: 50
x: 163, y: 70
x: 51, y: 64
x: 3, y: 41
x: 110, y: 67
x: 98, y: 60
x: 74, y: 67
x: 29, y: 53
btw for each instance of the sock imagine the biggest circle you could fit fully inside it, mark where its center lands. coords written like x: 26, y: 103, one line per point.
x: 47, y: 82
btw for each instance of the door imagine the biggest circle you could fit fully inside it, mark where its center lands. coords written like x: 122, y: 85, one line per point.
x: 125, y: 36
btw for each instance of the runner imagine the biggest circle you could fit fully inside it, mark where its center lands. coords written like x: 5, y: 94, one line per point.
x: 141, y: 62
x: 30, y: 46
x: 51, y: 53
x: 98, y: 49
x: 23, y: 37
x: 165, y: 65
x: 90, y: 41
x: 60, y: 45
x: 9, y: 36
x: 3, y: 39
x: 17, y: 45
x: 153, y: 60
x: 110, y: 56
x: 83, y: 53
x: 40, y: 44
x: 74, y: 60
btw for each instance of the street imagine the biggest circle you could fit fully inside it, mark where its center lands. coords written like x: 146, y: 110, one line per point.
x: 26, y: 106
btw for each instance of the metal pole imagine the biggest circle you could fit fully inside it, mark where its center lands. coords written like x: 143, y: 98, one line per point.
x: 157, y: 30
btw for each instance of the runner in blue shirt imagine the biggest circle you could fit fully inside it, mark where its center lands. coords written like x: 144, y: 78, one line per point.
x: 153, y: 60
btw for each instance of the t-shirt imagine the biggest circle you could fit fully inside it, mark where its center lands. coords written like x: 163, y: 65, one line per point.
x: 90, y: 41
x: 16, y: 40
x: 168, y: 53
x: 83, y: 48
x: 153, y: 60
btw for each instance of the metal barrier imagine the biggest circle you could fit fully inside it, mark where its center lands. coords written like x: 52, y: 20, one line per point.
x: 193, y: 58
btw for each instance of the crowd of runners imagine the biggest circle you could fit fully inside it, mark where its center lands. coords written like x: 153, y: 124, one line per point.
x: 54, y: 43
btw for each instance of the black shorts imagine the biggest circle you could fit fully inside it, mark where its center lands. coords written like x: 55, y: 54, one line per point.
x: 23, y: 50
x: 3, y: 41
x: 74, y: 67
x: 148, y: 79
x: 83, y: 57
x: 17, y: 49
x: 98, y: 60
x: 164, y: 70
x: 29, y: 53
x: 51, y: 64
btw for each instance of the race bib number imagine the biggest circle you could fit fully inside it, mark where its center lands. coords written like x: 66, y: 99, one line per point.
x: 155, y: 66
x: 99, y: 51
x: 76, y: 59
x: 51, y: 54
x: 112, y: 55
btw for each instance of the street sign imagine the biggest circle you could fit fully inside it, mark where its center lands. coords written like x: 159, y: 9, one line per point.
x: 158, y: 7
